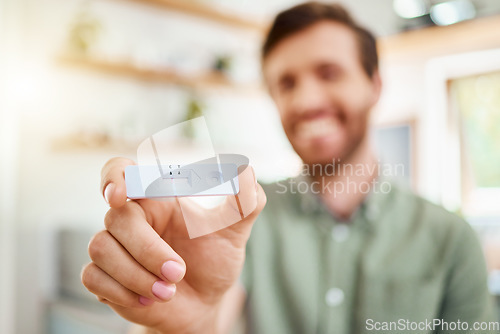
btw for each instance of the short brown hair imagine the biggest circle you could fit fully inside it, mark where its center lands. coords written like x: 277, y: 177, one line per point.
x: 305, y: 15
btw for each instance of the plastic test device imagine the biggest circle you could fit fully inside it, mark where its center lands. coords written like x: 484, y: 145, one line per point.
x: 197, y: 179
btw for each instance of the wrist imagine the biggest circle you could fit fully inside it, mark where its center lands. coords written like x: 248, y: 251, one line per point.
x: 207, y: 324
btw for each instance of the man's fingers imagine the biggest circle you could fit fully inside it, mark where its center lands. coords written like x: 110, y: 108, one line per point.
x: 128, y: 225
x: 246, y: 199
x: 250, y: 199
x: 245, y: 225
x: 115, y: 261
x: 113, y: 181
x: 261, y: 202
x: 106, y: 288
x: 201, y: 221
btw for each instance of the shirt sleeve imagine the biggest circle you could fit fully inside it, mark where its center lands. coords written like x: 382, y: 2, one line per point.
x: 467, y: 298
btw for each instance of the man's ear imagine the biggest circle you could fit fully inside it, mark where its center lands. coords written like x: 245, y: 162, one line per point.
x: 377, y: 85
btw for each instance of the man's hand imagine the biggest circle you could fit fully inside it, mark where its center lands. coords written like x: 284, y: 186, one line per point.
x: 145, y: 267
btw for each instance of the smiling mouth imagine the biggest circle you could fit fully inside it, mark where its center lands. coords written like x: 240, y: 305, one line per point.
x: 316, y: 128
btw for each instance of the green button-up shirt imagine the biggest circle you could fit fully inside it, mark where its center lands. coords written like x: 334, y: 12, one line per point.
x: 400, y: 265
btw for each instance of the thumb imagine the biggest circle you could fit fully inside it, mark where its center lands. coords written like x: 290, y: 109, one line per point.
x: 233, y: 217
x: 113, y: 186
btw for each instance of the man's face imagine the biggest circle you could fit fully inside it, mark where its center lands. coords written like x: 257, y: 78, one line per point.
x: 322, y: 92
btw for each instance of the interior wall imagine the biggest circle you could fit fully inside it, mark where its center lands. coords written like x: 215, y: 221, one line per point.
x: 10, y: 32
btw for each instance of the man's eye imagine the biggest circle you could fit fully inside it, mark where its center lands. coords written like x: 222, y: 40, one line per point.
x: 286, y: 84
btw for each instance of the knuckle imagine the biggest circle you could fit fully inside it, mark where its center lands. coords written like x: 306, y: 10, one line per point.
x: 111, y: 218
x: 114, y: 216
x: 97, y: 245
x: 89, y: 276
x: 149, y: 249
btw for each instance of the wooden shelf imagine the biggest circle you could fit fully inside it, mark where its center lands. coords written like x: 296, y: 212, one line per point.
x: 422, y: 44
x: 80, y: 142
x: 209, y: 80
x: 193, y: 8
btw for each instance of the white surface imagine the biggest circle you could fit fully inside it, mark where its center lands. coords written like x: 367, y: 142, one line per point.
x: 9, y: 15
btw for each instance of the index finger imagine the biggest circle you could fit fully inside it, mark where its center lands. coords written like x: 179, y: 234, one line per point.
x: 113, y: 181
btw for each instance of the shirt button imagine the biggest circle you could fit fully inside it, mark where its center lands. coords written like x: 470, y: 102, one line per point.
x: 334, y: 297
x: 340, y: 232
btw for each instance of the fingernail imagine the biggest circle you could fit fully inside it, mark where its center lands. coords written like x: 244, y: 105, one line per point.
x: 145, y: 301
x: 172, y: 271
x: 108, y: 192
x: 163, y: 290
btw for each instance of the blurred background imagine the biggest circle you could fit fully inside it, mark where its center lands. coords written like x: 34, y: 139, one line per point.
x: 84, y: 81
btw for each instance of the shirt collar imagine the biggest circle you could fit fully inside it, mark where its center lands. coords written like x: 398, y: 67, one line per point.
x: 371, y: 209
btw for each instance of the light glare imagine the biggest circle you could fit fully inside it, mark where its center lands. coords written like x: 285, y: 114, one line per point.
x: 451, y: 12
x: 409, y: 8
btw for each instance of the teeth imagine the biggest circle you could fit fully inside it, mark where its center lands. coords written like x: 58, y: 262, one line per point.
x: 316, y: 128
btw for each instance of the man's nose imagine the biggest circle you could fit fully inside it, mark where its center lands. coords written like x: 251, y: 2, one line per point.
x: 309, y: 97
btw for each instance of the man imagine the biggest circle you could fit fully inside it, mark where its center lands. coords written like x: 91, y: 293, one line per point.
x: 324, y: 259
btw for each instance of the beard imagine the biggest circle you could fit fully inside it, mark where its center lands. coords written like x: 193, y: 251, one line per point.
x: 328, y: 154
